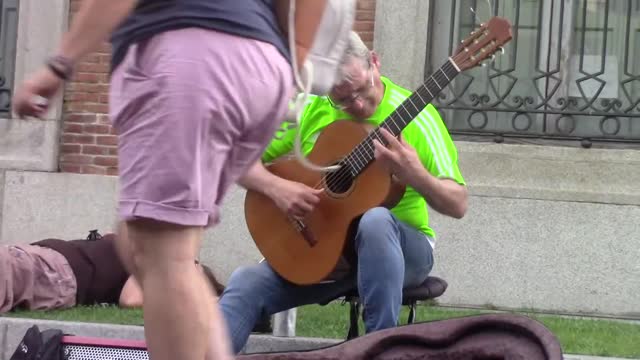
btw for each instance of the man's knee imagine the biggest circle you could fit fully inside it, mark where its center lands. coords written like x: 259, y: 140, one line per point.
x: 377, y: 228
x: 375, y: 217
x: 251, y: 287
x: 376, y: 221
x: 247, y: 280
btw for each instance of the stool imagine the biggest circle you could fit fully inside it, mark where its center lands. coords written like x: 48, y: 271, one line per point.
x: 431, y: 288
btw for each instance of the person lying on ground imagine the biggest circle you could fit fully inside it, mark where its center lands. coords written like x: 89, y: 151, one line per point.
x: 57, y: 274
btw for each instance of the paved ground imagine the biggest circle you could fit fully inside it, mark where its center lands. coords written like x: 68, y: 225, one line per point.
x: 12, y: 330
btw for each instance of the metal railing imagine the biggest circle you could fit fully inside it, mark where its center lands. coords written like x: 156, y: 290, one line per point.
x: 568, y: 73
x: 8, y: 38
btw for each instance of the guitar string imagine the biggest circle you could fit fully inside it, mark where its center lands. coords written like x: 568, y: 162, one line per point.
x: 348, y: 176
x: 368, y: 141
x: 361, y: 160
x: 362, y: 155
x: 452, y: 61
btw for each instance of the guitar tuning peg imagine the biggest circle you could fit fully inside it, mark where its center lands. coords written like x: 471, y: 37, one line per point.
x: 501, y: 49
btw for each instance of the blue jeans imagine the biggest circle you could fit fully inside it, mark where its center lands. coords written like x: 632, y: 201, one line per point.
x: 391, y: 255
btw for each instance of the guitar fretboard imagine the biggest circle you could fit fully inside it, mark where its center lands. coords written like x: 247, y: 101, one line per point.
x: 362, y: 155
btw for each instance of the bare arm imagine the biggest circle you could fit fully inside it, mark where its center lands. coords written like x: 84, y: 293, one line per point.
x: 95, y: 20
x: 306, y: 22
x: 259, y: 179
x: 444, y: 195
x: 293, y: 198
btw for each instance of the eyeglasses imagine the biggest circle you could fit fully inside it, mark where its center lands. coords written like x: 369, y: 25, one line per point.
x: 344, y: 104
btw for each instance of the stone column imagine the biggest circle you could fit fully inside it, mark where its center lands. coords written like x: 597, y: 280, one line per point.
x: 400, y: 39
x: 33, y: 144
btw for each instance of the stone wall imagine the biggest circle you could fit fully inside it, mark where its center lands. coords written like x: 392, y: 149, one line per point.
x: 550, y: 229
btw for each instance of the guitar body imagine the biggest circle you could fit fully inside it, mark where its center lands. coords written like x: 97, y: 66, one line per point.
x: 309, y: 254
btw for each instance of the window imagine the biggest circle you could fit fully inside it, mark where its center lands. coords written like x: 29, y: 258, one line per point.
x: 568, y: 73
x: 8, y: 37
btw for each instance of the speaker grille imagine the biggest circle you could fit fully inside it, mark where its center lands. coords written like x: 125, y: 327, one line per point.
x: 87, y: 352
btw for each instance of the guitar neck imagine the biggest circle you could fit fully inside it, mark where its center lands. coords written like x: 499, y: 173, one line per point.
x: 362, y: 155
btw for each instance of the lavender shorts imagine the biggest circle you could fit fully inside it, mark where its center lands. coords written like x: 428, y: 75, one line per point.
x: 193, y: 109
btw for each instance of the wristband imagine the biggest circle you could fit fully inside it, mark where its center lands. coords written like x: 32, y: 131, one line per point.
x: 61, y: 66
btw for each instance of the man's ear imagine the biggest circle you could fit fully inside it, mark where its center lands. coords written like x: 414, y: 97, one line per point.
x: 375, y: 59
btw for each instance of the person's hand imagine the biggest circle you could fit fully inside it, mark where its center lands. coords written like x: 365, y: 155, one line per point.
x: 399, y: 158
x: 34, y: 95
x: 295, y: 199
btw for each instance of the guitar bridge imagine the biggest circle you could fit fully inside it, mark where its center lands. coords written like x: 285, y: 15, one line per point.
x: 306, y: 233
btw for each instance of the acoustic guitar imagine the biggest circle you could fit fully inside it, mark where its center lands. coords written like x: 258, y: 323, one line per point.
x: 309, y: 250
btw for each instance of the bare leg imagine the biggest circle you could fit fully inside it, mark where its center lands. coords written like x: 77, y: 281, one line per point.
x: 176, y: 314
x: 124, y: 250
x: 219, y: 346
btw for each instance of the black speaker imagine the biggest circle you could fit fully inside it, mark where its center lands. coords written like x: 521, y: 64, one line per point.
x: 90, y: 348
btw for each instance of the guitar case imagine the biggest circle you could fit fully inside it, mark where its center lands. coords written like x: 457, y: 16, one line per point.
x: 480, y: 337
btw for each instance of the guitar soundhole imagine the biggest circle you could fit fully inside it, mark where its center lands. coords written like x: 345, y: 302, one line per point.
x: 339, y: 181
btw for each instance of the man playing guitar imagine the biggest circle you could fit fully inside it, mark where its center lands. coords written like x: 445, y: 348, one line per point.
x: 394, y: 247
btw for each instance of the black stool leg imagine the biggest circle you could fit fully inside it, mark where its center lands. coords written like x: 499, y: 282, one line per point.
x: 412, y: 312
x: 353, y: 319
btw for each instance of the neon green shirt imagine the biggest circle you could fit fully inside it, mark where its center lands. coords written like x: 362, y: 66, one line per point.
x: 427, y: 134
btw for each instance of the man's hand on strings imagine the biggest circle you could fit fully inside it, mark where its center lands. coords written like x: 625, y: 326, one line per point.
x: 294, y: 198
x: 399, y: 157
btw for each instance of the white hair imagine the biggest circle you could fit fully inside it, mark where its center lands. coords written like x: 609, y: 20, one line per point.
x: 356, y: 49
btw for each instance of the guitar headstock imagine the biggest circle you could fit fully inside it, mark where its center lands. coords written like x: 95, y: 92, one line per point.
x: 483, y: 43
